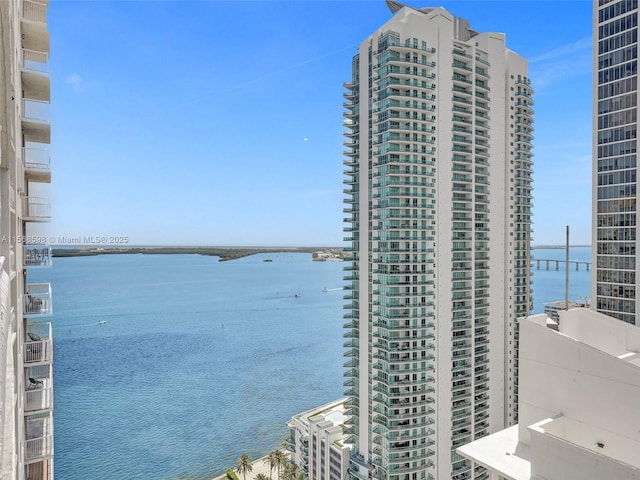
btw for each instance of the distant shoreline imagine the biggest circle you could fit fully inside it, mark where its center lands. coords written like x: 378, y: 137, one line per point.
x: 225, y: 253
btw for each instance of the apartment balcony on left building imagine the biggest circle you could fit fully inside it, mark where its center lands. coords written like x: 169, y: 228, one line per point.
x: 35, y: 80
x: 38, y: 256
x: 36, y: 87
x: 37, y: 300
x: 39, y: 446
x: 34, y: 173
x: 38, y: 401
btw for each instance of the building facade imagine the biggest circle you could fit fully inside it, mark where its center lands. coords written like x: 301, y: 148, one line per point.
x: 438, y: 165
x: 26, y: 342
x: 615, y: 95
x: 316, y: 442
x: 580, y: 382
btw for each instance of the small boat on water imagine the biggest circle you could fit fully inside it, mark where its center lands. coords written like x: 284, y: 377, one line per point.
x: 102, y: 322
x: 325, y: 289
x: 267, y: 260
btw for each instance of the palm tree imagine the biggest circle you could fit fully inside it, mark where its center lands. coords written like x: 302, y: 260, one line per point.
x: 291, y: 471
x: 281, y: 461
x: 244, y: 465
x: 272, y: 461
x: 300, y: 475
x: 261, y: 476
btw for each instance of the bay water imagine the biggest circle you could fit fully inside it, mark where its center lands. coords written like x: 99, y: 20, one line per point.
x: 171, y: 366
x: 549, y: 285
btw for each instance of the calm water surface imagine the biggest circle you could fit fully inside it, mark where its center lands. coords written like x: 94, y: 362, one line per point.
x: 549, y: 285
x: 199, y: 361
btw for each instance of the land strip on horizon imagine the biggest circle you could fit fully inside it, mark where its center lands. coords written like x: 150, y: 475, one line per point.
x: 225, y: 253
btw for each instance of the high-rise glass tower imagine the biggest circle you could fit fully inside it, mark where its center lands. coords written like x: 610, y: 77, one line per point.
x: 439, y: 165
x: 614, y: 285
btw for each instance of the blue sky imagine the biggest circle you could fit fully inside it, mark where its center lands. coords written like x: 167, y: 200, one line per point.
x: 220, y: 122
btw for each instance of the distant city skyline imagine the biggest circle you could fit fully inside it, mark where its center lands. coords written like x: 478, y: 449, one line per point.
x: 219, y: 122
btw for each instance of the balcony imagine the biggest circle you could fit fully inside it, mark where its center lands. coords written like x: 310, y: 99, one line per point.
x: 37, y: 164
x: 39, y: 432
x: 40, y: 470
x: 38, y: 346
x: 38, y: 395
x: 37, y: 300
x: 36, y: 209
x: 34, y: 11
x: 36, y: 86
x: 355, y: 471
x: 35, y: 61
x: 35, y: 110
x: 35, y: 120
x: 34, y: 26
x: 37, y: 256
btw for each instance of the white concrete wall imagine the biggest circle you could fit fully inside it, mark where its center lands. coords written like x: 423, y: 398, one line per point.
x: 604, y: 333
x: 552, y: 459
x: 561, y: 375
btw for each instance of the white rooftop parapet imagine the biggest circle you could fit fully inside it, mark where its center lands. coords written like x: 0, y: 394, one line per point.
x: 578, y: 410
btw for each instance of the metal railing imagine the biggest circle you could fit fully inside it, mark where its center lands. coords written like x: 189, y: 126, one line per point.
x: 39, y: 447
x: 38, y: 351
x: 38, y: 344
x: 37, y: 208
x: 37, y: 299
x: 37, y: 256
x: 38, y: 399
x: 39, y: 436
x: 36, y: 159
x: 35, y: 61
x: 34, y: 11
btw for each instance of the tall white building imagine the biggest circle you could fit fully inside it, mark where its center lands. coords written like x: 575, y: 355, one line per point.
x: 579, y: 415
x: 317, y: 444
x: 439, y: 164
x: 614, y: 285
x: 26, y: 348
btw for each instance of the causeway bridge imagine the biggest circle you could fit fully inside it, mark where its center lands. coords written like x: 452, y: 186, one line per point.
x: 537, y: 262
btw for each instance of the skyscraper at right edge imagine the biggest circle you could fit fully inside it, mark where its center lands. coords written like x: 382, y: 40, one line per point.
x: 614, y: 283
x: 439, y: 166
